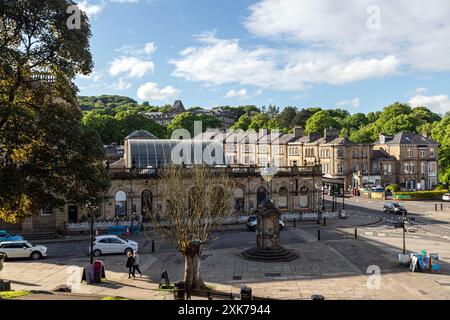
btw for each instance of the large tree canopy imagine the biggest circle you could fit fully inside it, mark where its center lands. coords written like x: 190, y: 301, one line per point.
x: 320, y: 121
x: 47, y: 158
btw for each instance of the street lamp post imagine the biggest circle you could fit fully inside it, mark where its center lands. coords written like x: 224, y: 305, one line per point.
x: 92, y: 208
x: 404, y: 231
x: 268, y: 173
x: 132, y: 172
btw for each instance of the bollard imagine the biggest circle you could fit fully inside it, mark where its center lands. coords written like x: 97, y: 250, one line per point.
x: 246, y: 293
x: 179, y: 291
x: 153, y: 245
x: 435, y: 207
x: 356, y: 233
x: 318, y: 235
x: 324, y: 221
x: 442, y: 207
x: 294, y: 224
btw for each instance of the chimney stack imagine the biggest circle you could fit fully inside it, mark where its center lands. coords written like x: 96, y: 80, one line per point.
x: 299, y: 132
x: 330, y: 134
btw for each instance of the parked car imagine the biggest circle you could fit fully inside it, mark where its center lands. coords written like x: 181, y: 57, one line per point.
x: 446, y: 197
x: 22, y: 249
x: 7, y: 236
x: 109, y: 244
x: 377, y: 189
x: 252, y: 223
x: 394, y: 208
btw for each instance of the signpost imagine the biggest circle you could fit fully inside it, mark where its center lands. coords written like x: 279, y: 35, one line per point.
x: 165, y: 277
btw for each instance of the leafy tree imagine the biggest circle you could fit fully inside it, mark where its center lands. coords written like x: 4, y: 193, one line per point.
x: 129, y: 121
x: 107, y: 127
x: 424, y: 115
x: 186, y: 120
x: 272, y: 111
x: 243, y: 123
x: 320, y: 121
x: 441, y: 133
x: 287, y: 117
x: 400, y: 123
x: 363, y: 135
x: 355, y: 121
x: 48, y: 157
x: 373, y: 116
x: 259, y: 121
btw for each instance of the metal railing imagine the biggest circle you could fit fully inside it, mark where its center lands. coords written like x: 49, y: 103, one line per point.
x: 154, y: 173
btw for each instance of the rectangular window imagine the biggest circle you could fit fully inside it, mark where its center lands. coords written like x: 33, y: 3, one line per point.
x: 340, y: 168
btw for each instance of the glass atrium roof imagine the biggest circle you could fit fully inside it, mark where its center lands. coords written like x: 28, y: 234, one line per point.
x: 150, y: 153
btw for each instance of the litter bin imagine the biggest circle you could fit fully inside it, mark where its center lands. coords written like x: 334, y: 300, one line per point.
x: 179, y: 291
x: 246, y: 293
x: 99, y: 271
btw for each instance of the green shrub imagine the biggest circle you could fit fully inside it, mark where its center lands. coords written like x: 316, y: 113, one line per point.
x: 393, y: 188
x: 423, y: 195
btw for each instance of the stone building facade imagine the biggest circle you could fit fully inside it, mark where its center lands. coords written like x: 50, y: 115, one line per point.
x: 407, y: 159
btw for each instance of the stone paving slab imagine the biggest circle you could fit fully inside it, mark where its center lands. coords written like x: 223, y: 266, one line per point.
x: 335, y: 269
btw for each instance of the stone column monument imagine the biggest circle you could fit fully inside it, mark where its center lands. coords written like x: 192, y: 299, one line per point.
x: 268, y: 247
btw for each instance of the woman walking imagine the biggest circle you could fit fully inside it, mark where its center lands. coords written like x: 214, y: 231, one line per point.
x: 136, y: 264
x: 130, y: 265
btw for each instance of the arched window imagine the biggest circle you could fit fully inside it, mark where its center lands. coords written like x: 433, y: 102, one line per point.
x: 147, y: 203
x: 239, y: 200
x: 304, y: 197
x: 121, y: 204
x: 260, y: 196
x: 283, y: 198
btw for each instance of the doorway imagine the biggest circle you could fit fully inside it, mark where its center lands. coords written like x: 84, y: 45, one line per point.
x: 73, y: 214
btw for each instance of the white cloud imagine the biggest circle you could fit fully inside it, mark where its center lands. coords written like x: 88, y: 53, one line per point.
x: 353, y: 103
x: 413, y: 31
x: 420, y: 90
x: 237, y: 94
x: 91, y: 10
x: 133, y: 67
x: 152, y: 91
x: 219, y: 61
x: 95, y: 76
x: 438, y: 103
x: 148, y: 49
x: 121, y: 84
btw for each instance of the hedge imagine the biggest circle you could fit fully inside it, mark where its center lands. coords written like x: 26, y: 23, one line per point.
x: 421, y: 195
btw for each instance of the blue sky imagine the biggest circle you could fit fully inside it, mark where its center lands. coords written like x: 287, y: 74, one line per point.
x: 360, y: 55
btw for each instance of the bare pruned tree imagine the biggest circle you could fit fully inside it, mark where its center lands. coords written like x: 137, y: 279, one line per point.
x: 197, y: 200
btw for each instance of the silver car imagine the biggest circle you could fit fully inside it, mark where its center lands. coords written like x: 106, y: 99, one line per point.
x: 111, y: 244
x: 22, y: 249
x: 252, y: 223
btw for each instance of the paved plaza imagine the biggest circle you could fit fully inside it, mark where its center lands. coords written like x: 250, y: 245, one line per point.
x: 336, y: 269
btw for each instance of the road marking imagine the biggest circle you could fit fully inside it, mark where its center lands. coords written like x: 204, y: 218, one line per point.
x: 368, y: 233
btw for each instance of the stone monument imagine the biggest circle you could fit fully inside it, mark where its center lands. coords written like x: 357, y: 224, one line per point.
x: 268, y: 247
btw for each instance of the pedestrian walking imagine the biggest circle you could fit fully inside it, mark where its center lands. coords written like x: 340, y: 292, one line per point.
x: 136, y: 264
x: 130, y: 265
